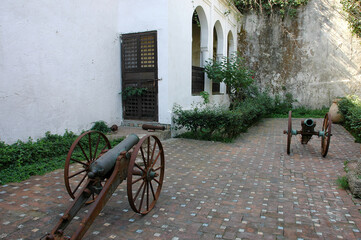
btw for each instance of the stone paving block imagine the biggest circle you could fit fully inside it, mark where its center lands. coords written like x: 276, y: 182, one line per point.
x: 249, y: 189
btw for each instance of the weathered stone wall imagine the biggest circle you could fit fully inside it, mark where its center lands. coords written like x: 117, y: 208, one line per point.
x: 313, y: 56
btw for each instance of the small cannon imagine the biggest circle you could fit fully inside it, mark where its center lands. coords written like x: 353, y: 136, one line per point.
x: 93, y: 172
x: 152, y: 128
x: 308, y: 130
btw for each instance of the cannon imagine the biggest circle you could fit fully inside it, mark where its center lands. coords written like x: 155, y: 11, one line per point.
x: 93, y: 170
x: 152, y: 128
x: 308, y: 130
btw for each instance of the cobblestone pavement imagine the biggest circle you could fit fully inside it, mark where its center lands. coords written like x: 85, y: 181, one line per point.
x: 250, y: 189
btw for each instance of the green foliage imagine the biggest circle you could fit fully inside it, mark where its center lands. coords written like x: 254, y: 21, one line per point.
x: 21, y: 160
x: 132, y: 92
x: 350, y: 108
x: 234, y: 72
x: 208, y: 121
x: 205, y: 97
x: 283, y: 104
x: 342, y: 182
x: 100, y: 126
x: 281, y: 7
x: 353, y: 10
x: 301, y: 112
x: 221, y: 124
x: 24, y: 159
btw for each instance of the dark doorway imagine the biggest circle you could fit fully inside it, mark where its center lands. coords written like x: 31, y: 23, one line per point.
x: 140, y: 76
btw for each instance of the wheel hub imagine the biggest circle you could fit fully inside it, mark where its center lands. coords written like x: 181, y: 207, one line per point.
x: 151, y: 174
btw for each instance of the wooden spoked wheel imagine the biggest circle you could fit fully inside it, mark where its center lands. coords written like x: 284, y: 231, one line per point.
x: 85, y: 150
x: 145, y: 174
x: 326, y: 128
x: 289, y: 132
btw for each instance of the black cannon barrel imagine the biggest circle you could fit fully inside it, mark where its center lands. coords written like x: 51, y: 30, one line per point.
x: 103, y: 165
x: 309, y: 122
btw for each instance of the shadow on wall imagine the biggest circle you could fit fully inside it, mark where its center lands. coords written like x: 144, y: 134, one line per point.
x: 313, y: 56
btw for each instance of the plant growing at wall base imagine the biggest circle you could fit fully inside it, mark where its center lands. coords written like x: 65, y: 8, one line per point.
x: 100, y: 126
x: 219, y: 123
x: 132, y: 91
x: 342, y: 182
x: 350, y: 108
x: 21, y: 160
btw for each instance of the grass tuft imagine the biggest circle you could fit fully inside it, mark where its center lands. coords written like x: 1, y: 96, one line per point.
x: 342, y: 182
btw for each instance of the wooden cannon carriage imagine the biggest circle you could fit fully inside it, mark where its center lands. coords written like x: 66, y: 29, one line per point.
x: 308, y: 130
x: 93, y: 170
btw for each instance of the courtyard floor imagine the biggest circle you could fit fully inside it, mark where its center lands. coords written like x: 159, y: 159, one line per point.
x: 249, y: 189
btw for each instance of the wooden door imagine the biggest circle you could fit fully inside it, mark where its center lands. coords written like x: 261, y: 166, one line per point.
x: 140, y: 72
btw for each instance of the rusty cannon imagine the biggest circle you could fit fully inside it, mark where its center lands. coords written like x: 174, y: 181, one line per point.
x: 308, y: 130
x: 93, y: 170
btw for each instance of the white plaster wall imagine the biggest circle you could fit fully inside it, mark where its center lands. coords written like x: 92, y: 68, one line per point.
x: 60, y: 60
x: 180, y: 48
x: 150, y: 15
x: 59, y: 66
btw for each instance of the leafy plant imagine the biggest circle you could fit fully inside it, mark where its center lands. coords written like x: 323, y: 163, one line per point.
x: 233, y: 72
x: 350, y: 108
x: 205, y: 97
x: 21, y: 160
x: 219, y: 123
x: 132, y: 91
x: 283, y: 104
x: 100, y: 126
x: 301, y: 112
x: 205, y: 123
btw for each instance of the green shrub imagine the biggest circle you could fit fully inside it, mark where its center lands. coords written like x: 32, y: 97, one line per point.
x: 100, y: 126
x: 221, y: 124
x: 21, y: 160
x: 302, y: 112
x: 350, y: 108
x: 233, y: 71
x: 282, y: 105
x: 205, y: 122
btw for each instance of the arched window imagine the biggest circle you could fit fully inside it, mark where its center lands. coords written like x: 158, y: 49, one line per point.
x: 199, y: 42
x: 217, y: 50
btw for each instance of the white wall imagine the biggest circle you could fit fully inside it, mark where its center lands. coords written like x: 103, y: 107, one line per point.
x: 59, y: 66
x: 60, y: 60
x: 150, y: 15
x: 180, y: 47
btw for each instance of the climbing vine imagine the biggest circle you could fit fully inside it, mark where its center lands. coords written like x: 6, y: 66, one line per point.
x: 282, y: 7
x: 353, y: 10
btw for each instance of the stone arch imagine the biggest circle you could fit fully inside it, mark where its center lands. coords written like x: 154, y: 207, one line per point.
x: 203, y: 25
x: 199, y: 49
x: 230, y: 44
x: 218, y: 35
x: 218, y: 42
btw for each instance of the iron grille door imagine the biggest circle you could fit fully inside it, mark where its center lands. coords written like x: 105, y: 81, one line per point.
x: 140, y: 71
